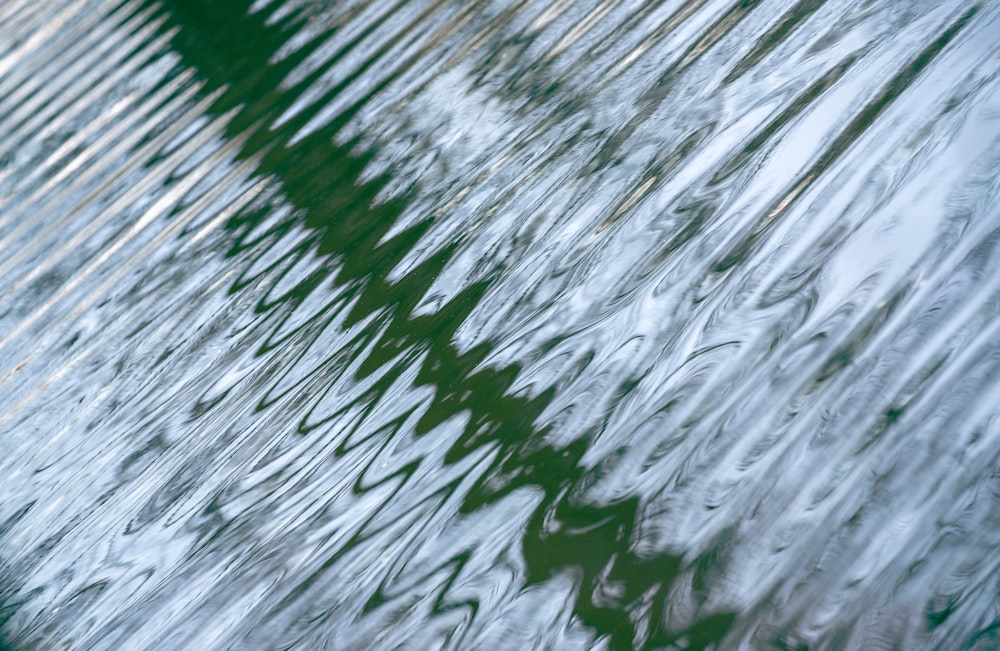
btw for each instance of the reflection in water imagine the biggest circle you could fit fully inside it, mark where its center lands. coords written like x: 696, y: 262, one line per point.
x: 499, y: 324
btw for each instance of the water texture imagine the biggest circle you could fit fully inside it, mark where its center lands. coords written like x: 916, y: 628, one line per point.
x: 507, y: 324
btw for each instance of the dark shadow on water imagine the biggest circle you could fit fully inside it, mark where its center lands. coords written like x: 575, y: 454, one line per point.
x: 233, y: 52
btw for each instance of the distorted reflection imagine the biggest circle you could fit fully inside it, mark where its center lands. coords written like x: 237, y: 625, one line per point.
x: 502, y: 324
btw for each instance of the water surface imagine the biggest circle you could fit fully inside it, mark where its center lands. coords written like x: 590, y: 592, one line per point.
x: 500, y: 325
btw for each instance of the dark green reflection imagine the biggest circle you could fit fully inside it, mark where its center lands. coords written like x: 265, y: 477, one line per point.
x: 232, y: 52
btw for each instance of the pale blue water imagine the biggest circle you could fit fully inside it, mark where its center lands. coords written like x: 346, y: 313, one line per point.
x: 499, y: 325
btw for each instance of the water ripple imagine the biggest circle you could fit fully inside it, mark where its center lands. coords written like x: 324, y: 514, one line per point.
x: 588, y: 324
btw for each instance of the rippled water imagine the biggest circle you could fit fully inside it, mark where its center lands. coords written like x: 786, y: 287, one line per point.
x: 509, y: 324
